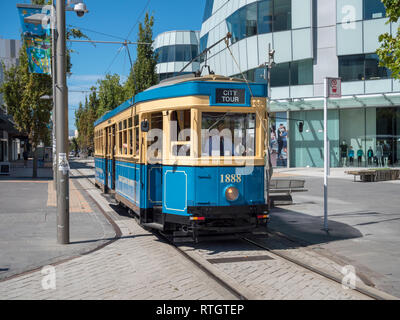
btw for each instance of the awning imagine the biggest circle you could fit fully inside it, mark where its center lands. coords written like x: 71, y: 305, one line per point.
x: 353, y: 101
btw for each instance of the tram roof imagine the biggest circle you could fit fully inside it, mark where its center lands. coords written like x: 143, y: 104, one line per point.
x: 187, y: 86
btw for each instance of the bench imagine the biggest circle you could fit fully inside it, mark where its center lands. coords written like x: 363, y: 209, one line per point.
x: 280, y: 190
x: 365, y: 175
x: 375, y: 175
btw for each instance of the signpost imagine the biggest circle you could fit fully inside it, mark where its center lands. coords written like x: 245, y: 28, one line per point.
x: 332, y: 89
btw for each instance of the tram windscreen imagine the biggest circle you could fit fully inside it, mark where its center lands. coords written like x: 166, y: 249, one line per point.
x: 228, y: 134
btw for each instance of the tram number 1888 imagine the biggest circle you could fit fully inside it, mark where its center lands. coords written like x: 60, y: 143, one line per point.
x: 232, y: 178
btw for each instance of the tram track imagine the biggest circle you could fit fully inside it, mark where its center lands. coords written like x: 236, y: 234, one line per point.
x: 208, y: 266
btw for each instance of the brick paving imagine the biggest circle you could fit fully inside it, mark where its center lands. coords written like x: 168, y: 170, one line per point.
x: 141, y: 266
x: 274, y: 278
x: 137, y: 266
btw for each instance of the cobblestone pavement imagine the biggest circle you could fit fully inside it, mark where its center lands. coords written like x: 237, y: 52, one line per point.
x: 273, y: 277
x: 137, y: 266
x: 140, y: 266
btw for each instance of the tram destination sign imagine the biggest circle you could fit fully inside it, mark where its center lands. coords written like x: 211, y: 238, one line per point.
x: 230, y: 96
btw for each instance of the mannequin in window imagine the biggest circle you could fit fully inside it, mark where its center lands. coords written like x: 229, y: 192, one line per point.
x: 379, y: 154
x: 343, y: 153
x: 370, y: 155
x: 360, y: 154
x: 351, y: 155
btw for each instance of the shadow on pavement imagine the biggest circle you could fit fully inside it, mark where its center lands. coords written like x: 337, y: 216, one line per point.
x: 307, y: 229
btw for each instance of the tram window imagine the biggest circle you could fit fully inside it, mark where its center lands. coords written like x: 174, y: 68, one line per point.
x: 180, y: 133
x: 180, y: 121
x: 125, y: 142
x: 136, y: 121
x: 137, y: 140
x: 124, y: 124
x: 156, y: 122
x: 228, y: 134
x: 130, y: 123
x: 130, y: 141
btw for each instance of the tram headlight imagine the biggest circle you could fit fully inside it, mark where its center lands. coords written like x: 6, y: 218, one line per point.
x: 231, y: 193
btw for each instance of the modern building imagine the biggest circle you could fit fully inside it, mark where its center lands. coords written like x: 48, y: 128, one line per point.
x: 174, y: 50
x: 313, y: 39
x: 10, y: 142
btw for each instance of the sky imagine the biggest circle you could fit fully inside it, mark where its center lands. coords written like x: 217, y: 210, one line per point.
x: 117, y: 18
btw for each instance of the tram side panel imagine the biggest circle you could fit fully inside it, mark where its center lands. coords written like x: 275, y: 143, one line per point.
x: 100, y: 165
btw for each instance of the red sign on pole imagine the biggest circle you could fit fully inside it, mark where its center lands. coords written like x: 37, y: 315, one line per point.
x: 334, y: 87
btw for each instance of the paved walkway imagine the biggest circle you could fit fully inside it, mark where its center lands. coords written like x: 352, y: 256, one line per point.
x: 28, y: 213
x: 364, y: 223
x: 141, y: 266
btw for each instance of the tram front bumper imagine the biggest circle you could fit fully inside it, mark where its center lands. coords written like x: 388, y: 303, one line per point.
x: 229, y: 218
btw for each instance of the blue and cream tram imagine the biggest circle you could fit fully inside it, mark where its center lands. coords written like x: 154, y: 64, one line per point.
x: 187, y: 155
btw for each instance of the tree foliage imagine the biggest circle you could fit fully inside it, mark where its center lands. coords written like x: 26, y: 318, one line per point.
x: 111, y: 92
x: 144, y: 73
x: 22, y: 92
x: 389, y: 52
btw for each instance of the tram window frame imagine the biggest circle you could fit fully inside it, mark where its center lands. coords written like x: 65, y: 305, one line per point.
x: 136, y: 133
x: 254, y: 149
x: 119, y: 147
x: 176, y: 145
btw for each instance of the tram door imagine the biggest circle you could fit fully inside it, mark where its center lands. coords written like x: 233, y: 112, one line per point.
x: 154, y: 163
x: 110, y: 157
x: 113, y: 150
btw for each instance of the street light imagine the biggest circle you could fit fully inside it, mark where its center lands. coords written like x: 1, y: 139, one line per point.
x: 62, y: 120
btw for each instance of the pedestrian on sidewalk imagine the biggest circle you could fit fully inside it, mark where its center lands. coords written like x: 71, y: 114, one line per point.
x: 25, y: 155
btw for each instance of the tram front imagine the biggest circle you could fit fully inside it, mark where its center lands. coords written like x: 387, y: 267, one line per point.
x: 215, y: 181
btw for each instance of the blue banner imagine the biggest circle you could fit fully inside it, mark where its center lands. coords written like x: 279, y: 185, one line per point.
x: 36, y: 38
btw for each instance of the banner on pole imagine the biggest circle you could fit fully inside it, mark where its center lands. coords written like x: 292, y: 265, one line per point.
x: 36, y: 38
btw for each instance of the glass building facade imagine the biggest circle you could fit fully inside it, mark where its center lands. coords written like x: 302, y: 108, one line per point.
x: 174, y: 49
x: 313, y: 40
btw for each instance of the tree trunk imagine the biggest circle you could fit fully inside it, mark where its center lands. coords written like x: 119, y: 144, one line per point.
x: 35, y: 160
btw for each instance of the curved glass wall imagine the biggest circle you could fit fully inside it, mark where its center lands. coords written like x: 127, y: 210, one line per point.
x: 260, y: 17
x: 176, y: 53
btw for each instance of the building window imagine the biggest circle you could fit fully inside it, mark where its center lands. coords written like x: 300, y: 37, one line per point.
x: 260, y: 17
x: 280, y: 75
x: 175, y: 53
x: 351, y: 68
x: 301, y: 72
x: 372, y: 69
x: 374, y: 9
x: 265, y: 14
x: 361, y: 67
x: 208, y: 9
x: 203, y: 42
x: 282, y: 15
x: 248, y: 20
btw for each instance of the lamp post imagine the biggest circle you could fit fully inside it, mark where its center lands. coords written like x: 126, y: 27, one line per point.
x: 267, y: 76
x: 61, y: 130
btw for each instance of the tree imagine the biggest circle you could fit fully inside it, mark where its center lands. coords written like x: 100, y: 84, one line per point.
x: 22, y: 92
x: 85, y: 116
x: 111, y: 93
x: 144, y: 73
x: 389, y: 52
